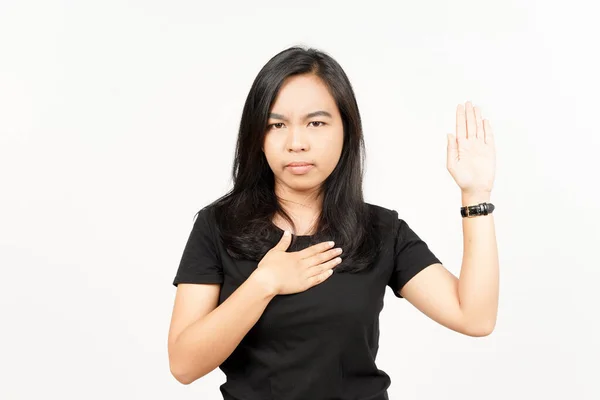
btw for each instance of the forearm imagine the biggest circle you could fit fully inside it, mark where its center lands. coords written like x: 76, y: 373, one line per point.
x: 479, y: 275
x: 205, y: 344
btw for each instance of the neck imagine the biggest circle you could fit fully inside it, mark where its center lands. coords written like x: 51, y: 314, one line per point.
x: 303, y: 207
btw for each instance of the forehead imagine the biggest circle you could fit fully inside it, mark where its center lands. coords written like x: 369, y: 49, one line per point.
x: 303, y: 93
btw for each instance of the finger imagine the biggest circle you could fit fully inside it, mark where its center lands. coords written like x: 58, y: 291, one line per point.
x: 284, y: 241
x: 461, y: 127
x: 471, y: 124
x: 315, y: 280
x: 479, y: 123
x: 315, y: 249
x: 320, y: 258
x: 489, y: 133
x: 318, y: 269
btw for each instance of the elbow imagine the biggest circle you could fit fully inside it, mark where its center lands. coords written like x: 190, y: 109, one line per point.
x: 187, y: 368
x: 180, y: 375
x: 184, y: 377
x: 480, y: 330
x: 180, y: 370
x: 185, y: 374
x: 181, y: 379
x: 479, y: 327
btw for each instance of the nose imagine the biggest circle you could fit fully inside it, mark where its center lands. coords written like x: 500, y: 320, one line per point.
x: 296, y: 140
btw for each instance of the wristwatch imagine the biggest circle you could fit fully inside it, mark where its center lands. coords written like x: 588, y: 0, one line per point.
x: 477, y: 210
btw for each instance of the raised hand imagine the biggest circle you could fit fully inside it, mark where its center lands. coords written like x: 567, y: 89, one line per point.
x: 472, y: 152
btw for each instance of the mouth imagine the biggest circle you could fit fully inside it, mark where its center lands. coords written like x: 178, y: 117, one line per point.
x: 299, y: 168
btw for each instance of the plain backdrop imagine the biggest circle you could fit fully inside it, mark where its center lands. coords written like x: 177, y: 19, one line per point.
x: 118, y: 122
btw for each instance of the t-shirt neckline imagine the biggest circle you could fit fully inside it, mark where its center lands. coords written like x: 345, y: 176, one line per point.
x: 280, y: 232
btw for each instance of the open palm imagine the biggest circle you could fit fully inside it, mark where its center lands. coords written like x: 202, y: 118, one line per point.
x: 471, y: 151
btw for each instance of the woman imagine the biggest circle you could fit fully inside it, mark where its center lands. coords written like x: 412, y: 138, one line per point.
x: 266, y: 306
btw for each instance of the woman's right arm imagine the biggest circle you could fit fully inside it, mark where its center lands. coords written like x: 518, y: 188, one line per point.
x: 202, y: 335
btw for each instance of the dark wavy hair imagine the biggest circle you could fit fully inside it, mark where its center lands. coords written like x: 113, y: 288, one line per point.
x: 244, y: 215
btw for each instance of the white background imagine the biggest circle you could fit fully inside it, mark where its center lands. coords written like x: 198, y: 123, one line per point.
x: 118, y: 122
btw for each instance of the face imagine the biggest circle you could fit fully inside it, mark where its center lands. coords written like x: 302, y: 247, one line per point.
x: 304, y: 126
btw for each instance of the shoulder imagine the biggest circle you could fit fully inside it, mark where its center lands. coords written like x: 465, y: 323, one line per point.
x: 390, y: 221
x: 386, y: 217
x: 206, y: 221
x: 205, y: 215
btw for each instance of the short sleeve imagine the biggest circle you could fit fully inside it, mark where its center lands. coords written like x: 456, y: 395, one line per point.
x: 200, y: 262
x: 411, y: 255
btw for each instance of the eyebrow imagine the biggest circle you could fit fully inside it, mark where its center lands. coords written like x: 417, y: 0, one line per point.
x: 319, y: 113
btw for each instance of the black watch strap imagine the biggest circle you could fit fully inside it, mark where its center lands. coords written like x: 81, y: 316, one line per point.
x: 476, y: 210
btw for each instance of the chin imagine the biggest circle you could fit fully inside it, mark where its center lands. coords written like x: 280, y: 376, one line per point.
x: 304, y: 186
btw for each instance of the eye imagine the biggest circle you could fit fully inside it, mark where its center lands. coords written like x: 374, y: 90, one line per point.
x: 273, y: 125
x: 317, y: 122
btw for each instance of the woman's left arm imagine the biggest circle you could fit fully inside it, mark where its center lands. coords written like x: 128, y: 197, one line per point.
x: 468, y: 304
x: 478, y: 286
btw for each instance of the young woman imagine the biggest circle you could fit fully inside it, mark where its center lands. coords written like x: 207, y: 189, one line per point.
x: 295, y: 315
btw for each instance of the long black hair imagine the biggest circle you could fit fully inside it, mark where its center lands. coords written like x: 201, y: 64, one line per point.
x: 244, y: 215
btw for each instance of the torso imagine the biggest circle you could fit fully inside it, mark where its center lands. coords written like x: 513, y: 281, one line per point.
x: 321, y: 342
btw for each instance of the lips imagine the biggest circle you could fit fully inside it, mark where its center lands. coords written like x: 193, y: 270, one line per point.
x: 299, y: 168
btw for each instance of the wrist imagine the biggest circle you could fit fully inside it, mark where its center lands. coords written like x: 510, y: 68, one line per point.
x: 472, y: 198
x: 263, y: 282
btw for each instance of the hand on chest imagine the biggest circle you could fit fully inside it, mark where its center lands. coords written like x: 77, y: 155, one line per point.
x: 343, y: 301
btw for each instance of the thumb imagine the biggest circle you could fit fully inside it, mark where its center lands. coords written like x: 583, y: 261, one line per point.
x: 284, y: 242
x: 452, y: 150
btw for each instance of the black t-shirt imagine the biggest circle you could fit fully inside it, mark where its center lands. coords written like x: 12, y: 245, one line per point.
x: 317, y: 344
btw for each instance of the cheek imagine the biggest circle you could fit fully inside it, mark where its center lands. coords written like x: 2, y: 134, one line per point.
x: 271, y: 160
x: 336, y: 137
x: 331, y: 149
x: 269, y: 149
